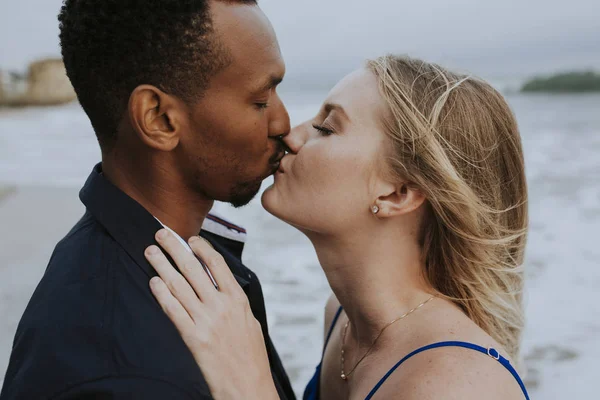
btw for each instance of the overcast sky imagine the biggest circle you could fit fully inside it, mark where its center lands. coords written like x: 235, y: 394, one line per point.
x: 322, y: 39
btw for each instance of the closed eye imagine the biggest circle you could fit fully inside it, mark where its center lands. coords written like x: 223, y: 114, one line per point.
x: 324, y: 130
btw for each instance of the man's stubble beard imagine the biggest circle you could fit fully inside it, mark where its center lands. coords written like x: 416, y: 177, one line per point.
x: 244, y: 193
x: 239, y: 195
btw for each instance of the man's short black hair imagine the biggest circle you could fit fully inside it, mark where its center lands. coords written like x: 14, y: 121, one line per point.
x: 110, y: 47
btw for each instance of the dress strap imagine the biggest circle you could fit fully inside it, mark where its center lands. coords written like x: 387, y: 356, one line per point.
x: 493, y: 353
x: 333, y: 322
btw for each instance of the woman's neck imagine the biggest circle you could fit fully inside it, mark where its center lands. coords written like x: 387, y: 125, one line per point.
x: 376, y: 276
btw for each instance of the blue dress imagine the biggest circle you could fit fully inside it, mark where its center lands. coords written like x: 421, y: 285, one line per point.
x: 312, y: 390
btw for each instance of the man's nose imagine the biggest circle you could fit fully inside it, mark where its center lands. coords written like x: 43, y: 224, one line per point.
x: 279, y: 126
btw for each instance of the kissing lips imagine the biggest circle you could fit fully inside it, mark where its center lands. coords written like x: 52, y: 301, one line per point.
x: 282, y: 168
x: 276, y: 162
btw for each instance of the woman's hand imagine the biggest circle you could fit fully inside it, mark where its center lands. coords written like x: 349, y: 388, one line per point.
x: 217, y: 325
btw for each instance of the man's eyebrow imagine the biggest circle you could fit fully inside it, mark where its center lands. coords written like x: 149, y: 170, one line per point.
x: 271, y: 83
x: 329, y: 107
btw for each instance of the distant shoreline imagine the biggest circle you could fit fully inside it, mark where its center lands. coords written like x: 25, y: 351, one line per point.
x: 6, y: 192
x: 567, y: 82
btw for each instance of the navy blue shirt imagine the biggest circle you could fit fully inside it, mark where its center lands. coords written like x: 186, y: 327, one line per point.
x: 93, y: 329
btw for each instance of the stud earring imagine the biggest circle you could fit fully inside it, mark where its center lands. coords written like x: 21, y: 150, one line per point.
x: 375, y: 209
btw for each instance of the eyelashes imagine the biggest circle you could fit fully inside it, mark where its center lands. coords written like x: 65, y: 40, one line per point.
x: 324, y: 130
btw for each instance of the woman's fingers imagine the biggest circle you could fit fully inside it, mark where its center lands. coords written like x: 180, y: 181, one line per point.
x: 172, y: 307
x: 176, y: 284
x: 188, y: 265
x: 225, y: 336
x: 216, y: 264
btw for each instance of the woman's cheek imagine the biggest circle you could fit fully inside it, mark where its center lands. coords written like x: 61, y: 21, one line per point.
x: 314, y: 169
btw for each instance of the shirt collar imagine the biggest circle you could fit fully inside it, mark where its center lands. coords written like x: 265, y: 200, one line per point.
x: 179, y: 238
x: 132, y: 226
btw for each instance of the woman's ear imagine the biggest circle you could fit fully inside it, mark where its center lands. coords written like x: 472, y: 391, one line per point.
x: 155, y: 117
x: 399, y: 200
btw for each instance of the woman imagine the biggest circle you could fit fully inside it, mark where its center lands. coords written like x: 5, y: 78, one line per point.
x: 410, y: 184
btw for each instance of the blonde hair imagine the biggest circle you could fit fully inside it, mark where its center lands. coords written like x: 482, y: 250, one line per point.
x: 456, y: 140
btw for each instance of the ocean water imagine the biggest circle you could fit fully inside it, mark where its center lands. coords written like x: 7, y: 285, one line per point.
x: 561, y: 134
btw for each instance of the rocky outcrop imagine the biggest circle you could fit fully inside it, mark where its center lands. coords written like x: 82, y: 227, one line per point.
x: 46, y: 83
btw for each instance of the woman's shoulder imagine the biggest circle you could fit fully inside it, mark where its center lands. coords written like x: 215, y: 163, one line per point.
x: 452, y: 373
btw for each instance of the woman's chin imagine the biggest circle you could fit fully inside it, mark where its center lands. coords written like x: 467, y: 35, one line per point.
x: 268, y: 200
x: 273, y: 204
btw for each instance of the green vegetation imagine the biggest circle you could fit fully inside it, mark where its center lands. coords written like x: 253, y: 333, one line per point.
x: 5, y: 192
x: 569, y: 82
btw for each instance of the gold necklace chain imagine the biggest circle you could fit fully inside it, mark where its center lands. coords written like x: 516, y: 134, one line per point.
x: 345, y: 376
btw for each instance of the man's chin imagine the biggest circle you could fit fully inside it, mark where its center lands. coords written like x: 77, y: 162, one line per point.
x: 244, y: 193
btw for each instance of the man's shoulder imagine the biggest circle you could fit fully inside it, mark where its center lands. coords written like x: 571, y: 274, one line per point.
x: 85, y: 252
x: 84, y: 237
x: 75, y: 283
x: 92, y: 316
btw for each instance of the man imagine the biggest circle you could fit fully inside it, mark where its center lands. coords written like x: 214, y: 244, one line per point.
x: 182, y: 97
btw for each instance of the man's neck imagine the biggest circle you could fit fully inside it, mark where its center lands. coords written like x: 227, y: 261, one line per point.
x: 162, y: 194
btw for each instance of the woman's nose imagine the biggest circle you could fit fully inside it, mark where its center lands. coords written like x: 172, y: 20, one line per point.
x: 296, y: 138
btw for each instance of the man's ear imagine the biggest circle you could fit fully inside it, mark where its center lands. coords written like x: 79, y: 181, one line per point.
x: 399, y: 200
x: 156, y: 117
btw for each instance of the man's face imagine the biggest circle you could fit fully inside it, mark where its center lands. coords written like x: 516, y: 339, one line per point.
x: 232, y: 142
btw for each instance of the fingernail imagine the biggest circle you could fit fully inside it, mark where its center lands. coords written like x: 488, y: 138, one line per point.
x: 162, y: 234
x: 155, y: 281
x: 193, y: 239
x: 152, y: 250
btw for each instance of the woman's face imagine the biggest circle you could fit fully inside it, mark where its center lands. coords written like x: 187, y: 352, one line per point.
x: 330, y: 179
